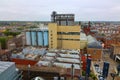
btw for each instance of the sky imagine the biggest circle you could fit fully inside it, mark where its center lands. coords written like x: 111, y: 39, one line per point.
x: 40, y: 10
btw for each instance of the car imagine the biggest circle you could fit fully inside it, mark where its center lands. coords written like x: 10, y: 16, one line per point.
x: 100, y: 77
x: 37, y: 78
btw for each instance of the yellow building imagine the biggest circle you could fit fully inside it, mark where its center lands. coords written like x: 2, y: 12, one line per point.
x: 64, y: 37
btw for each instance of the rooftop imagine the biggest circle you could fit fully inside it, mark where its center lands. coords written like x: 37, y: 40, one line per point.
x: 83, y: 36
x: 5, y: 65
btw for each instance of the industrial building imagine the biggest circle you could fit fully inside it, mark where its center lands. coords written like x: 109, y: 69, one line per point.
x: 37, y: 37
x: 62, y: 19
x: 60, y: 59
x: 8, y: 71
x: 48, y: 61
x: 5, y: 55
x: 27, y: 56
x: 63, y: 34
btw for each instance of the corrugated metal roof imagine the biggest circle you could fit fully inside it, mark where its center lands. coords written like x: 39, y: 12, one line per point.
x: 5, y: 65
x: 51, y: 54
x: 83, y: 36
x: 33, y: 50
x: 48, y: 58
x: 8, y: 71
x: 69, y: 60
x: 43, y: 63
x: 93, y: 43
x: 90, y: 39
x: 66, y: 65
x: 69, y: 55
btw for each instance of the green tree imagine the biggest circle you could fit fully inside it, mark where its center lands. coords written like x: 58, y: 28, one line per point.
x: 93, y: 76
x: 7, y: 33
x: 3, y: 41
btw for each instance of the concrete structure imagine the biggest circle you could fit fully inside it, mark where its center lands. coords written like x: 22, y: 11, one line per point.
x: 64, y: 36
x: 37, y: 36
x: 8, y: 71
x: 62, y: 19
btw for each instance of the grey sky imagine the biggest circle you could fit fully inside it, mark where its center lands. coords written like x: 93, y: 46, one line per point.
x: 40, y: 10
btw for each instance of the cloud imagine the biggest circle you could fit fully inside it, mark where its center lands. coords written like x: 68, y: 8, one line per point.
x: 41, y: 9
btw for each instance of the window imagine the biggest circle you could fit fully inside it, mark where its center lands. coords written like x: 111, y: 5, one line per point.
x: 51, y: 44
x: 69, y: 33
x: 51, y: 41
x: 68, y: 39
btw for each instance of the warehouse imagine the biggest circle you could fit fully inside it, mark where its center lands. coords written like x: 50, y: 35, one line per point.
x: 8, y: 71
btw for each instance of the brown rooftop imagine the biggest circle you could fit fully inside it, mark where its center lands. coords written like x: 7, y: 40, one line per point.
x: 115, y: 45
x: 59, y: 70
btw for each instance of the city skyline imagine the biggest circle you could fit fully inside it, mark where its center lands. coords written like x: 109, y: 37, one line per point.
x: 37, y: 10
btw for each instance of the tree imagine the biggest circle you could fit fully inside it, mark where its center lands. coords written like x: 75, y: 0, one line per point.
x: 7, y: 33
x: 3, y: 41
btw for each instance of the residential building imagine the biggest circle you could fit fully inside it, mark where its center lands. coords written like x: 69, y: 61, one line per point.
x: 115, y: 51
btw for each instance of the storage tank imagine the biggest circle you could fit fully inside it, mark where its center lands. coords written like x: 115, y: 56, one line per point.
x: 28, y: 40
x: 45, y: 36
x: 34, y: 40
x: 40, y: 38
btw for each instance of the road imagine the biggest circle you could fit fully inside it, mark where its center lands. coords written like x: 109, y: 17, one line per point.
x: 113, y: 64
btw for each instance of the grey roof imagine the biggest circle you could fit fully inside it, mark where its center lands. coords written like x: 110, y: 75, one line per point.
x: 93, y: 43
x: 83, y: 36
x: 32, y: 50
x: 5, y: 65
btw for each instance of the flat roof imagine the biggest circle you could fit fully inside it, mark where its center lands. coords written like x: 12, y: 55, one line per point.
x: 83, y: 36
x: 32, y: 50
x: 64, y: 14
x: 69, y: 55
x: 115, y: 45
x: 66, y: 65
x: 69, y: 60
x: 50, y: 54
x: 5, y: 65
x: 43, y: 63
x: 48, y: 58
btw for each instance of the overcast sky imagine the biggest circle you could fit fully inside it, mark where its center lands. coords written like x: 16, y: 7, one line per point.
x: 40, y: 10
